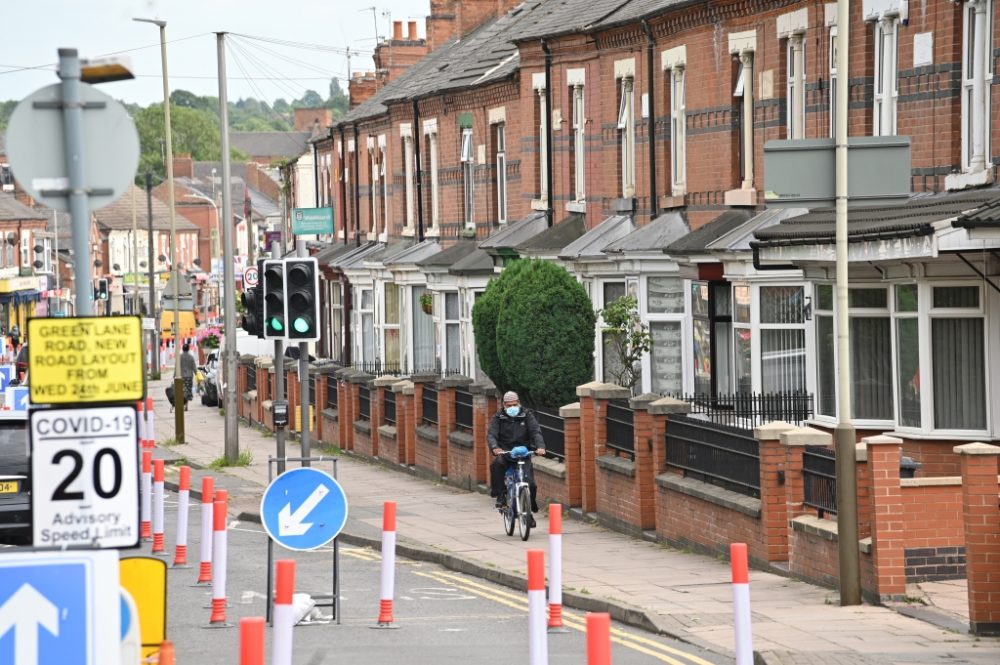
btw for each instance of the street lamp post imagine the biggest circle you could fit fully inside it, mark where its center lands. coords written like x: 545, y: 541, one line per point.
x: 175, y: 275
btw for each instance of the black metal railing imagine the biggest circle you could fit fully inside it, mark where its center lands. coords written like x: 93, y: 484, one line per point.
x: 379, y: 368
x: 714, y: 453
x: 284, y: 384
x: 553, y: 428
x: 312, y: 389
x: 364, y: 403
x: 463, y: 410
x: 620, y: 428
x: 389, y: 406
x: 251, y: 378
x: 332, y: 397
x: 749, y: 410
x: 819, y: 479
x: 429, y: 404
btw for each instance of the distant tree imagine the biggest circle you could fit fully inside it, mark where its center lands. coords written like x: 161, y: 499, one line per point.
x: 310, y: 100
x: 6, y: 109
x: 193, y: 101
x: 195, y: 132
x: 338, y: 100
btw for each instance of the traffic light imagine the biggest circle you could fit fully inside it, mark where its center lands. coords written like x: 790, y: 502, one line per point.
x: 102, y: 289
x: 275, y: 311
x: 253, y: 306
x: 302, y: 295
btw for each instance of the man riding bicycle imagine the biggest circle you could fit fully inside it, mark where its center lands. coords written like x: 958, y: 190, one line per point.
x: 511, y: 426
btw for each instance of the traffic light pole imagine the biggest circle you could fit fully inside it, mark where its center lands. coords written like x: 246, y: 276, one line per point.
x: 279, y: 385
x: 302, y: 252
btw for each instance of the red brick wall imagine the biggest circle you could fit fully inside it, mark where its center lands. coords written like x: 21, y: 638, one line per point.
x: 428, y: 454
x: 688, y: 521
x: 461, y: 465
x: 617, y: 498
x: 389, y: 447
x: 932, y: 516
x: 814, y: 559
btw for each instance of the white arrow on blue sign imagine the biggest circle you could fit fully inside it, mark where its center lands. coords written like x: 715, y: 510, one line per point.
x: 303, y: 509
x: 50, y: 604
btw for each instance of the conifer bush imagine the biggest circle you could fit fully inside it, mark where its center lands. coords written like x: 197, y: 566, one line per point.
x: 544, y: 334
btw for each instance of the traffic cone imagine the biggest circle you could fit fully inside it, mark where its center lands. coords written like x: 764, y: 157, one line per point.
x: 207, y: 521
x: 146, y: 505
x: 183, y: 497
x: 158, y: 545
x: 388, y: 563
x: 219, y: 510
x: 166, y: 653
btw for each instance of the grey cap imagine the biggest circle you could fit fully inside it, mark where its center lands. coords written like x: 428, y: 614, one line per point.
x: 510, y: 396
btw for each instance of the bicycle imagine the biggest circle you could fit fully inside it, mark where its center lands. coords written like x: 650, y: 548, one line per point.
x: 518, y: 492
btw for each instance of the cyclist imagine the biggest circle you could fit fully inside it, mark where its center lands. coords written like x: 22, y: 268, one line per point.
x: 511, y: 426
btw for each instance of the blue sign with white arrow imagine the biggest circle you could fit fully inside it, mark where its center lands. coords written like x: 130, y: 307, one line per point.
x: 50, y: 604
x: 303, y: 509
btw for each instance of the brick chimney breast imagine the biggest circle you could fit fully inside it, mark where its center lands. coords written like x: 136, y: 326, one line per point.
x: 183, y: 165
x: 397, y: 31
x: 411, y: 27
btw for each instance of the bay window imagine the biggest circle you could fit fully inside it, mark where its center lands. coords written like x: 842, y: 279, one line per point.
x: 958, y: 358
x: 664, y: 313
x: 366, y: 314
x: 423, y: 333
x: 452, y: 334
x: 611, y: 365
x: 391, y: 355
x: 782, y: 339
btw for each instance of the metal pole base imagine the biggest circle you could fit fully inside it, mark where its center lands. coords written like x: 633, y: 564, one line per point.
x: 844, y: 439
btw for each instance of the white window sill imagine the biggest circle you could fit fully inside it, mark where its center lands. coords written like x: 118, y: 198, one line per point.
x: 741, y: 197
x: 432, y: 232
x: 408, y: 232
x: 968, y: 179
x: 539, y: 204
x: 576, y: 206
x: 668, y: 202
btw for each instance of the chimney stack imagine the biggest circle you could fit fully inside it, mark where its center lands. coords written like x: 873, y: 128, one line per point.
x: 397, y: 31
x: 412, y: 27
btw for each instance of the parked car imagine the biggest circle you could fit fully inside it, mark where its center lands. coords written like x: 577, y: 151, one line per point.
x: 15, y: 481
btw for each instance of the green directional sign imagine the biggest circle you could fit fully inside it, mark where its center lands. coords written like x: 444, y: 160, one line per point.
x: 312, y: 221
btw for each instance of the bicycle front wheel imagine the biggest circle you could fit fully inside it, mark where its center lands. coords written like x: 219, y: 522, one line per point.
x: 509, y: 515
x: 524, y: 511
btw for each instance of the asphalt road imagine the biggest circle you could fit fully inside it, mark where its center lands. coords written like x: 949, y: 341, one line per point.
x: 439, y: 616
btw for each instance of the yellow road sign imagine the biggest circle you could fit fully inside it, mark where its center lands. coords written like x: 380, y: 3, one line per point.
x: 145, y: 578
x: 86, y: 359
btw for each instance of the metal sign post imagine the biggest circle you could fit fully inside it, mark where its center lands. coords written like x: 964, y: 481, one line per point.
x: 303, y: 509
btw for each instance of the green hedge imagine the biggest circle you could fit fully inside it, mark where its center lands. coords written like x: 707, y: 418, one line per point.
x: 544, y: 334
x: 485, y: 312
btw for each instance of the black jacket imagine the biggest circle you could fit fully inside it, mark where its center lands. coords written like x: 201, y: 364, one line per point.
x: 521, y: 430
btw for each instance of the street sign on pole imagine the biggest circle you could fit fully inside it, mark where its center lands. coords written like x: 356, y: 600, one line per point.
x: 85, y: 477
x: 37, y: 150
x: 86, y: 359
x: 312, y: 221
x: 250, y: 277
x: 60, y: 607
x: 303, y: 509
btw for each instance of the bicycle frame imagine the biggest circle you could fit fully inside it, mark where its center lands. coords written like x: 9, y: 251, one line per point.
x: 514, y: 479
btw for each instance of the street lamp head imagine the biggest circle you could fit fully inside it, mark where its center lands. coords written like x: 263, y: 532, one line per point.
x: 155, y: 21
x: 105, y: 70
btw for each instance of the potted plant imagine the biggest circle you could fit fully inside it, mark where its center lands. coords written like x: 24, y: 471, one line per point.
x: 427, y: 302
x: 208, y: 339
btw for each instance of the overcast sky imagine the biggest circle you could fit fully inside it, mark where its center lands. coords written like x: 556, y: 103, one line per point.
x: 35, y: 29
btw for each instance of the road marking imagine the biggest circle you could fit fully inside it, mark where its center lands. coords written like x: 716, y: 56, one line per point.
x: 571, y: 619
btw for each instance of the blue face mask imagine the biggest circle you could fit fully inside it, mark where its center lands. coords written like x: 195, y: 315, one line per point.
x: 513, y: 410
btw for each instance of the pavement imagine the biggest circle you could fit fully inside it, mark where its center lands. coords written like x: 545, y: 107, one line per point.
x: 649, y: 585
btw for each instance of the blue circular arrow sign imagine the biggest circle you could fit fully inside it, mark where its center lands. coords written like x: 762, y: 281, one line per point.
x: 303, y: 509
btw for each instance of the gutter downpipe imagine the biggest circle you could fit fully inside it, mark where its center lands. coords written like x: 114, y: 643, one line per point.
x: 316, y: 171
x: 651, y: 119
x: 768, y: 266
x: 418, y: 175
x: 357, y: 190
x: 343, y: 182
x: 548, y: 132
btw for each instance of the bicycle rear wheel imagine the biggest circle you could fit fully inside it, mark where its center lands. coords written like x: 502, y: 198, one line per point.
x: 508, y: 514
x: 524, y: 512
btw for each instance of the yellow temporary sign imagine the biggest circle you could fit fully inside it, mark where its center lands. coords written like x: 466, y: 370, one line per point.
x: 86, y: 359
x: 145, y: 578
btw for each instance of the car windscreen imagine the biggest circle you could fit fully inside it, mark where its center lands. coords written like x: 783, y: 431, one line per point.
x: 13, y: 449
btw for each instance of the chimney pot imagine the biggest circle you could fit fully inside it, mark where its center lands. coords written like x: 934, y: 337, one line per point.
x: 412, y: 28
x: 397, y: 30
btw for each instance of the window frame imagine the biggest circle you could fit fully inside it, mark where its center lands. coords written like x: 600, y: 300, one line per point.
x: 626, y: 127
x: 678, y: 132
x: 795, y: 97
x: 885, y: 79
x: 831, y: 49
x: 677, y: 316
x: 467, y: 160
x: 500, y: 182
x: 579, y: 144
x: 968, y: 83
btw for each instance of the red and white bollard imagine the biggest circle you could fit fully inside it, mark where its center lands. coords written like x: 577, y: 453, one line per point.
x: 555, y: 569
x: 146, y: 505
x: 183, y: 498
x: 158, y: 544
x: 538, y: 647
x: 388, y: 563
x: 252, y: 641
x: 150, y: 424
x: 207, y: 522
x: 284, y: 614
x: 741, y: 603
x: 140, y: 417
x: 219, y: 514
x: 598, y: 638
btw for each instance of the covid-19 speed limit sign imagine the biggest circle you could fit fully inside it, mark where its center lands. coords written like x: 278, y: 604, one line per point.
x: 85, y: 477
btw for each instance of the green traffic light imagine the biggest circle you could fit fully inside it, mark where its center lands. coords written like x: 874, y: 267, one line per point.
x: 276, y: 325
x: 301, y: 325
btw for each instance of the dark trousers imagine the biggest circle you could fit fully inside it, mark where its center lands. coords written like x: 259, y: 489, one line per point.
x: 499, y: 466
